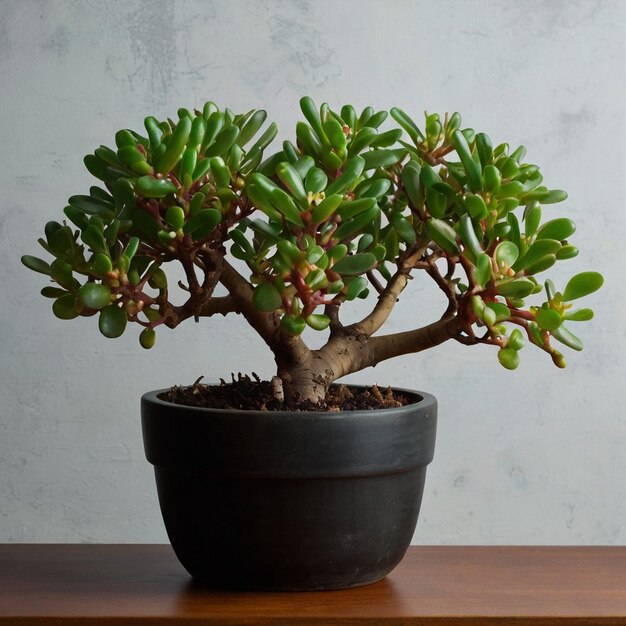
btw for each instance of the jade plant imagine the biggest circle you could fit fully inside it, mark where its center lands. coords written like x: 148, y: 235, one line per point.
x: 345, y: 211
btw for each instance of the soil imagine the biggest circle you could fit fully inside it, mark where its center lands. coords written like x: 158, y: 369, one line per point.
x: 253, y: 393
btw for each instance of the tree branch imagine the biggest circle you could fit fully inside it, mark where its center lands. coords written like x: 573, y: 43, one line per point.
x: 389, y: 296
x: 240, y: 290
x: 386, y: 302
x: 412, y: 341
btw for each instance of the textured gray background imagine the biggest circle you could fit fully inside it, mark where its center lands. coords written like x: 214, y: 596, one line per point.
x: 535, y: 456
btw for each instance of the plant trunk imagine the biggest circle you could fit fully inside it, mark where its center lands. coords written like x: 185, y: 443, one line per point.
x: 299, y: 380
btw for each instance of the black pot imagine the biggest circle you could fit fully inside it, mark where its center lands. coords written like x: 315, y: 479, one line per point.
x: 289, y: 501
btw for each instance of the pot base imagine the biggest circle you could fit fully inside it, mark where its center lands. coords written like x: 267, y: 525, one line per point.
x: 287, y: 534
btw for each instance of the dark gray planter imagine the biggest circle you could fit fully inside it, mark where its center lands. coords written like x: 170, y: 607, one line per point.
x: 289, y: 501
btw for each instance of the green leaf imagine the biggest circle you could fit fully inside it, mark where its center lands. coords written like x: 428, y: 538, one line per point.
x: 506, y: 254
x: 176, y: 144
x: 500, y: 309
x: 355, y: 264
x: 468, y: 236
x: 403, y: 227
x: 326, y: 208
x: 147, y: 337
x: 382, y: 158
x: 175, y: 217
x: 350, y: 208
x: 509, y: 358
x: 567, y: 252
x: 356, y: 287
x: 582, y: 284
x: 62, y: 274
x: 568, y: 338
x: 65, y: 307
x: 291, y: 179
x: 476, y: 207
x: 516, y: 340
x: 537, y: 251
x: 408, y: 124
x: 292, y: 324
x: 548, y: 319
x: 93, y: 206
x: 491, y: 179
x: 52, y: 292
x: 316, y: 180
x: 554, y: 196
x: 471, y: 168
x: 37, y: 265
x: 482, y: 273
x: 411, y: 182
x: 283, y: 202
x: 266, y: 297
x: 517, y: 288
x: 355, y: 225
x: 251, y: 127
x: 202, y: 223
x: 151, y: 187
x: 581, y: 315
x: 352, y: 170
x: 318, y: 321
x: 540, y: 265
x: 112, y: 321
x: 442, y: 234
x: 95, y: 296
x: 560, y: 229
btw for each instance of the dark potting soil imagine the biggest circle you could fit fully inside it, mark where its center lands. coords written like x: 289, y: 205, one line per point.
x: 253, y: 393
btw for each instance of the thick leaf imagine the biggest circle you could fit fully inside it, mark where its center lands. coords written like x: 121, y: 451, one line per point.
x: 112, y: 321
x: 35, y: 264
x: 548, y: 319
x: 482, y: 273
x: 506, y: 254
x: 202, y: 223
x: 442, y: 234
x: 151, y: 187
x: 355, y: 264
x: 518, y: 288
x: 356, y: 224
x: 66, y: 307
x: 95, y: 296
x: 476, y: 207
x: 500, y: 309
x: 582, y: 285
x: 315, y: 181
x: 537, y: 250
x: 326, y: 208
x: 581, y: 315
x: 382, y: 158
x: 471, y: 168
x: 318, y: 321
x: 568, y: 338
x: 403, y: 227
x: 356, y: 287
x: 509, y: 358
x: 147, y: 337
x: 560, y: 229
x: 266, y: 297
x: 293, y: 325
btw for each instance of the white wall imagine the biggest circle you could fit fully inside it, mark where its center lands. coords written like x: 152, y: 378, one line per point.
x: 537, y: 456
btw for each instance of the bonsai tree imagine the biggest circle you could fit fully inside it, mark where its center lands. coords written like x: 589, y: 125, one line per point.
x: 345, y: 210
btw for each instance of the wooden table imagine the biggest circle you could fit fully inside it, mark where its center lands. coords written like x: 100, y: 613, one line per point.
x: 101, y: 585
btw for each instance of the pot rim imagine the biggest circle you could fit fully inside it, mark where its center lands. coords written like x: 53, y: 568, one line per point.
x: 422, y: 399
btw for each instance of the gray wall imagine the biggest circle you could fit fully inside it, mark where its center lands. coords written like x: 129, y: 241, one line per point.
x: 535, y: 456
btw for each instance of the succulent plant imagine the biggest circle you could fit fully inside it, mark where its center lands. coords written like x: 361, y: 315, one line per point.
x: 345, y: 210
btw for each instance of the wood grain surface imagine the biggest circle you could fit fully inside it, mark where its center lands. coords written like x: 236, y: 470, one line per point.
x: 56, y: 584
